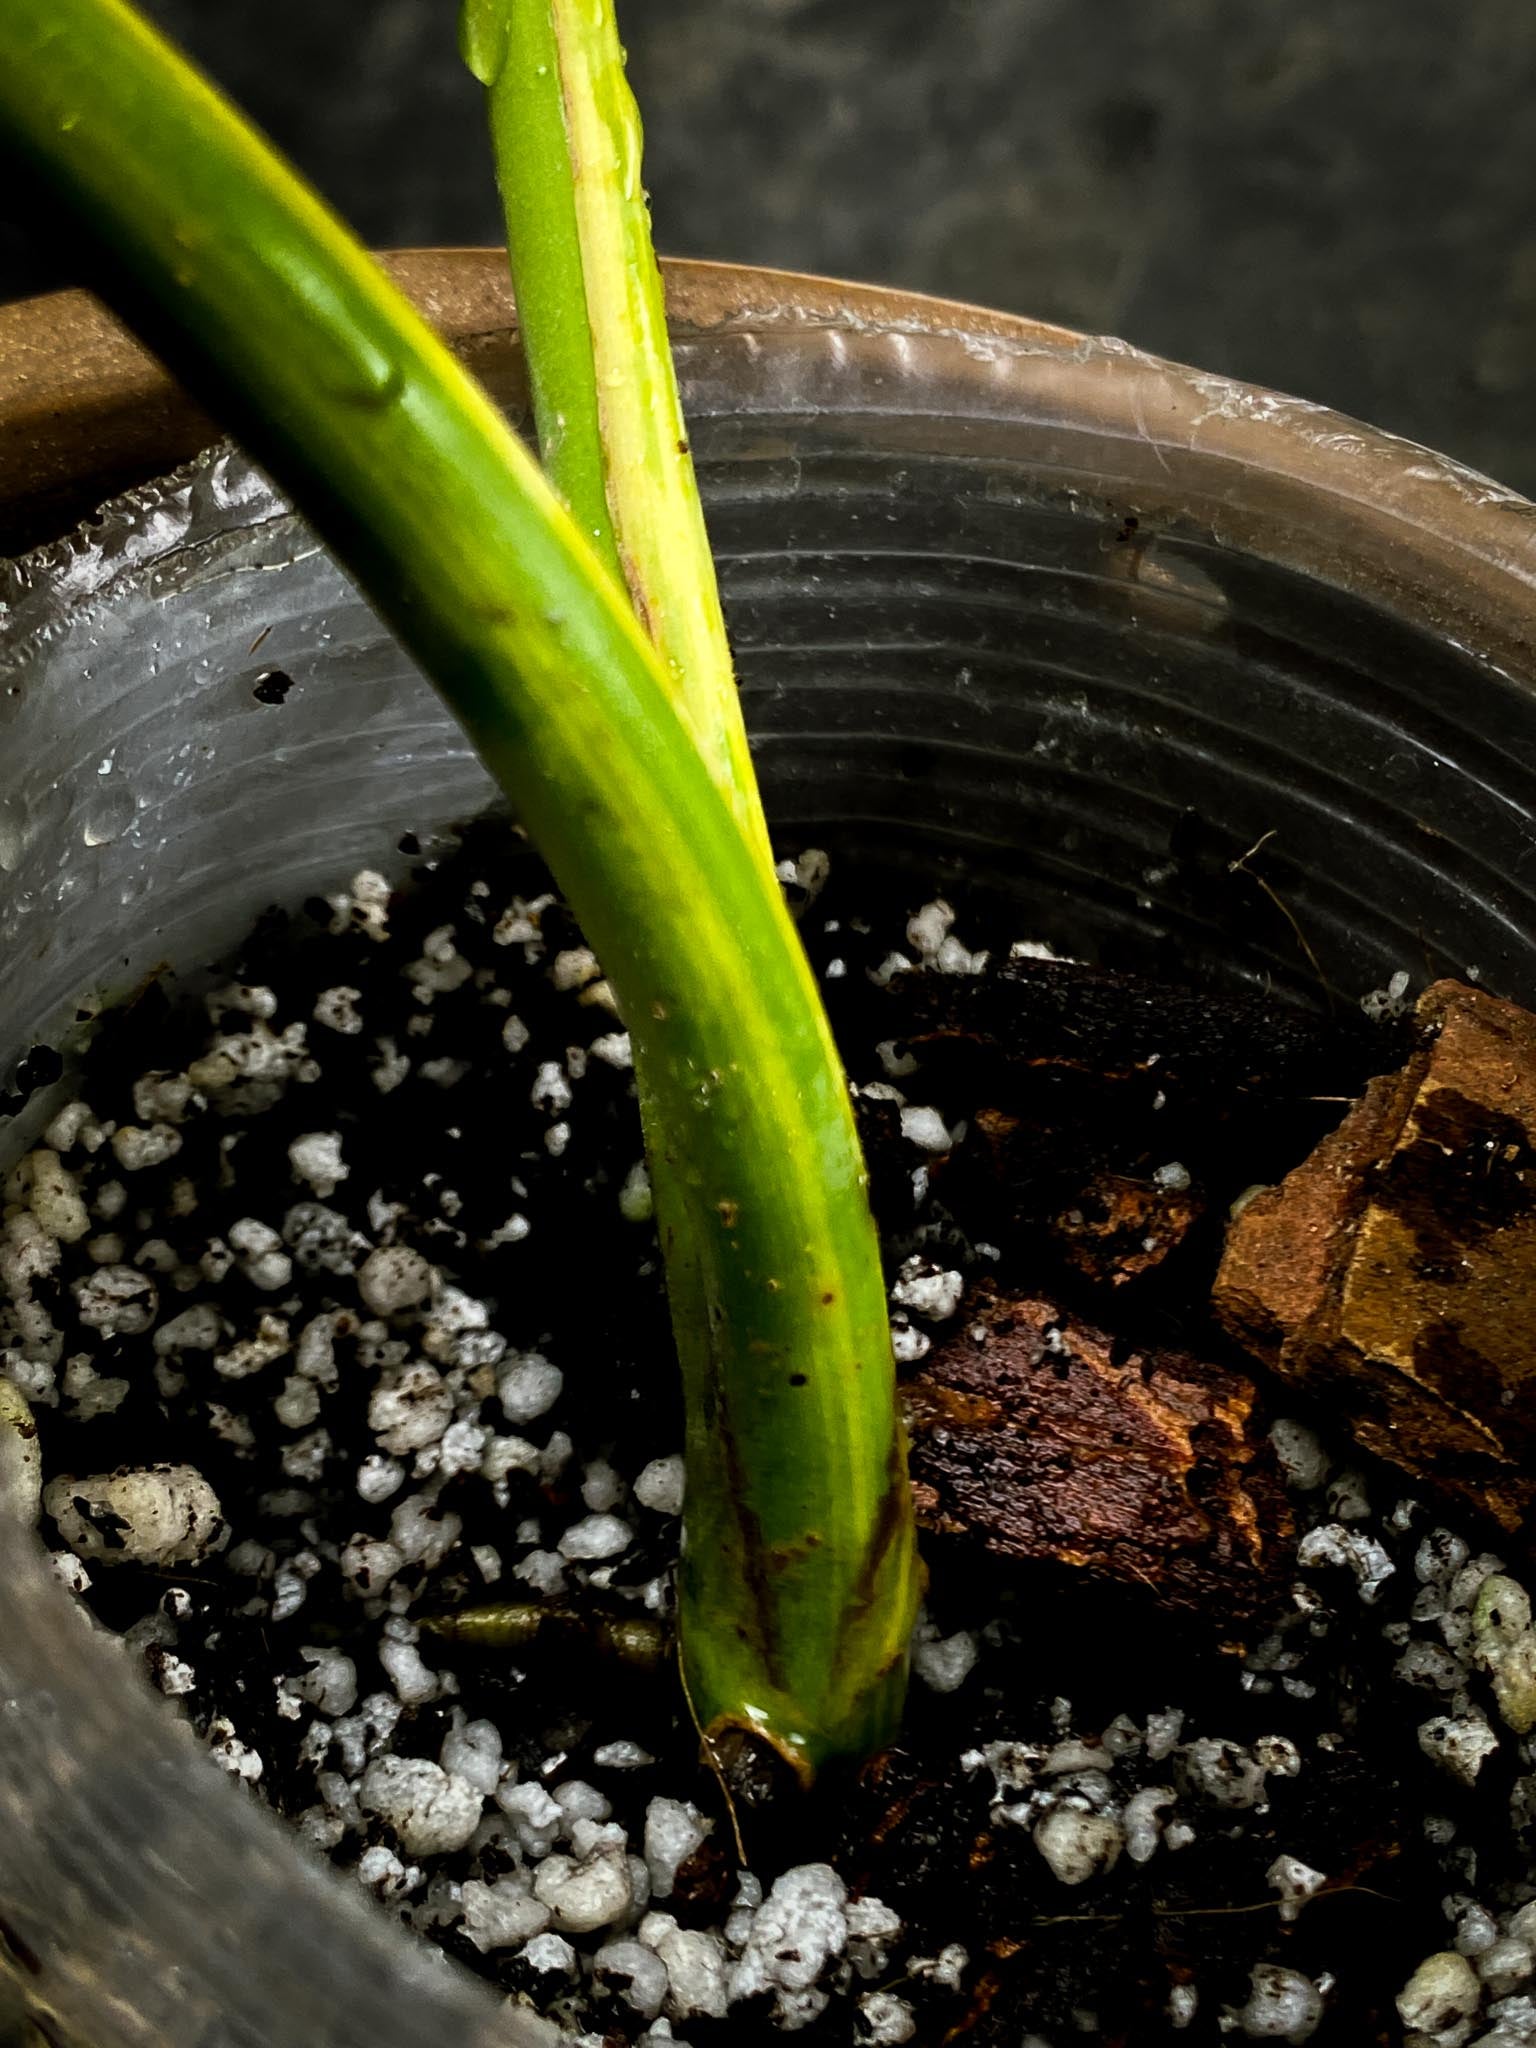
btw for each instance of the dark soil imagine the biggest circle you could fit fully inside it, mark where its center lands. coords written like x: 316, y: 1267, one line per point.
x: 1075, y: 1086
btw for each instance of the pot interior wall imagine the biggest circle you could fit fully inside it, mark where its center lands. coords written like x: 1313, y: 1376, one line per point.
x: 958, y: 664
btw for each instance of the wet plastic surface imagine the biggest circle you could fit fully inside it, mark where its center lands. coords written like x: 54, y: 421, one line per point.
x: 1036, y: 611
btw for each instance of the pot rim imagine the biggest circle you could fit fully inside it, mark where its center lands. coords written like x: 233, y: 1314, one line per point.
x: 86, y: 407
x: 86, y: 412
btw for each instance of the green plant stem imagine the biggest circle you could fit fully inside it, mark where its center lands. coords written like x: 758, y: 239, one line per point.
x: 504, y: 41
x: 567, y: 140
x: 800, y: 1544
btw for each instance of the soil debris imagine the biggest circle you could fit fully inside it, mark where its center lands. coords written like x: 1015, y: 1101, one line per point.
x: 1114, y: 1110
x: 435, y: 1486
x: 1049, y: 1441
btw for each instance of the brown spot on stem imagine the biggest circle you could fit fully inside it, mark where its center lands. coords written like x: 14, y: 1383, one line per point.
x: 891, y: 1522
x: 754, y: 1562
x: 782, y: 1555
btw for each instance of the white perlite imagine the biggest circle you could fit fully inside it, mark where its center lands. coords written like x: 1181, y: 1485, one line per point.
x: 410, y: 1408
x: 797, y: 1931
x: 431, y: 1813
x: 1380, y: 1004
x: 635, y: 1973
x: 536, y: 1819
x: 502, y: 1914
x: 1282, y: 2005
x: 415, y: 1683
x: 1222, y: 1772
x: 336, y: 1009
x: 472, y: 1751
x: 944, y: 1663
x: 394, y: 1278
x: 673, y: 1830
x: 195, y: 1329
x: 136, y: 1148
x: 1302, y: 1458
x: 1143, y: 1819
x: 909, y: 1345
x: 262, y: 1258
x: 578, y: 1800
x: 695, y: 1964
x: 231, y: 1754
x: 551, y: 1955
x: 636, y: 1202
x: 928, y: 928
x: 1296, y: 1882
x: 250, y: 1354
x: 528, y: 1387
x: 1460, y: 1744
x: 423, y: 1531
x: 659, y: 1486
x: 622, y: 1756
x: 595, y: 1537
x: 574, y: 968
x: 926, y: 1129
x: 378, y: 1477
x: 1504, y: 1644
x: 888, y: 2020
x: 1440, y: 2000
x: 298, y: 1405
x: 116, y: 1301
x: 154, y: 1515
x: 1505, y: 1965
x: 54, y: 1197
x: 316, y: 1158
x: 551, y: 1090
x: 928, y: 1290
x: 930, y: 931
x: 586, y: 1895
x: 1078, y: 1845
x: 329, y: 1682
x: 382, y: 1872
x: 872, y: 1930
x: 1334, y: 1543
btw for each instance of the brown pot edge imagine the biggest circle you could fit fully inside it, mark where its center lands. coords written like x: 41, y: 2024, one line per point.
x: 86, y: 412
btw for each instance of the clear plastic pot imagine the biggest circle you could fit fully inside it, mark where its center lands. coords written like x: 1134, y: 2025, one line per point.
x: 1008, y: 604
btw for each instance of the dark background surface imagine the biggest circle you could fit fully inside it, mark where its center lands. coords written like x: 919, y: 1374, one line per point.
x: 1336, y: 197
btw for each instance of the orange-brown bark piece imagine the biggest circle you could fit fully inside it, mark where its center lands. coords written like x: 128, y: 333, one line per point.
x: 1049, y: 1441
x: 1394, y: 1272
x: 1120, y: 1228
x: 1111, y: 1227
